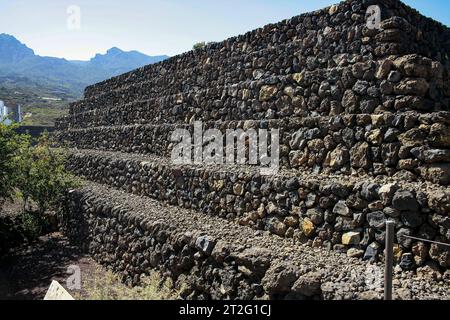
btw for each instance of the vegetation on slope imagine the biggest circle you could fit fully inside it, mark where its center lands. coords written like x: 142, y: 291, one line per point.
x: 34, y: 173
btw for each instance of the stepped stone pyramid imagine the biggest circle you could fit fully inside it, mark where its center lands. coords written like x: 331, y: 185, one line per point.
x: 364, y: 124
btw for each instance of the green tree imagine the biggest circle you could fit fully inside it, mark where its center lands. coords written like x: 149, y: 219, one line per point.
x: 44, y: 179
x: 199, y: 45
x: 12, y: 146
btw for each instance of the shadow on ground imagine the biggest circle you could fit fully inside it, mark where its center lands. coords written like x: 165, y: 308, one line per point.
x: 26, y: 273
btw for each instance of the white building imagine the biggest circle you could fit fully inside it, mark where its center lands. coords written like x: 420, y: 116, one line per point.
x: 8, y: 114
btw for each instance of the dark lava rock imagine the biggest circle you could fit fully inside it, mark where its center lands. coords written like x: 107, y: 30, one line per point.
x: 405, y: 201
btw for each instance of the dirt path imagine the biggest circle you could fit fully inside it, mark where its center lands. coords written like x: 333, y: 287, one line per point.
x: 27, y: 272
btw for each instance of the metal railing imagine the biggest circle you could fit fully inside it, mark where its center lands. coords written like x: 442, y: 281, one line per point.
x: 389, y: 255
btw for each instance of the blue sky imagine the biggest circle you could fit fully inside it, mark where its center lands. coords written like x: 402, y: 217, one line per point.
x: 154, y: 26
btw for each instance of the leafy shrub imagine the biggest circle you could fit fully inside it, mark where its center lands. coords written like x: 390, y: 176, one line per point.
x: 43, y: 177
x: 34, y: 171
x: 12, y: 147
x: 199, y: 45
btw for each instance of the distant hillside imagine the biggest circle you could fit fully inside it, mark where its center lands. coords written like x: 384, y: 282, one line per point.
x: 42, y: 83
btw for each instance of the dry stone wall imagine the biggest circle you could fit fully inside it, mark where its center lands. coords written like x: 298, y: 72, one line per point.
x: 408, y: 145
x: 364, y: 125
x: 211, y: 258
x: 323, y: 209
x: 379, y: 94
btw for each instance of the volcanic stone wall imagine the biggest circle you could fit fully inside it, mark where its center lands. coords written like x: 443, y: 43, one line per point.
x: 383, y: 106
x: 211, y: 258
x: 406, y: 145
x: 364, y: 120
x: 323, y: 209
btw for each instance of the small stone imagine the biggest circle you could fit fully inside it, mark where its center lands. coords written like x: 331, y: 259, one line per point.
x: 355, y: 253
x: 339, y: 157
x: 272, y: 208
x: 387, y: 191
x: 420, y: 251
x: 351, y: 238
x: 249, y: 124
x: 292, y: 184
x: 298, y: 77
x: 376, y: 220
x: 407, y: 261
x: 258, y: 74
x: 349, y: 100
x: 308, y: 284
x: 238, y: 189
x: 391, y: 212
x: 440, y: 135
x: 394, y: 76
x: 308, y: 227
x: 359, y: 155
x: 267, y: 92
x: 333, y: 9
x: 218, y: 185
x: 375, y: 137
x: 279, y: 278
x: 412, y: 138
x: 391, y: 135
x: 298, y: 158
x: 277, y: 227
x: 439, y: 201
x: 438, y: 173
x: 411, y: 219
x: 402, y: 240
x: 370, y: 191
x: 311, y: 200
x: 427, y: 232
x: 397, y: 253
x: 205, y: 244
x: 436, y: 155
x: 315, y: 215
x: 415, y: 87
x: 372, y: 251
x: 402, y: 294
x: 289, y: 91
x: 361, y: 87
x: 376, y: 206
x: 440, y: 254
x: 291, y: 221
x: 383, y: 69
x: 405, y: 201
x: 342, y: 209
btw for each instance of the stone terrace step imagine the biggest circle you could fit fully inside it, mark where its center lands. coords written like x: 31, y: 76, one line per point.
x: 257, y: 40
x: 214, y: 259
x: 212, y: 73
x: 267, y: 98
x: 321, y: 208
x: 381, y: 144
x: 314, y: 29
x: 342, y: 83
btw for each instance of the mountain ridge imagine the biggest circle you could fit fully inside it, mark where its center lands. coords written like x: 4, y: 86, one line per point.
x: 45, y: 85
x: 18, y: 60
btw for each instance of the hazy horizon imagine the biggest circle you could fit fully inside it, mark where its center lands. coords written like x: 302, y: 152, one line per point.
x: 153, y: 27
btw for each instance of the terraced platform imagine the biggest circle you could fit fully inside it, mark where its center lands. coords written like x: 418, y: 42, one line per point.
x: 364, y: 123
x: 212, y: 258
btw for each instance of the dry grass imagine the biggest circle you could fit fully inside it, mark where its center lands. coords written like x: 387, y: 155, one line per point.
x: 105, y: 285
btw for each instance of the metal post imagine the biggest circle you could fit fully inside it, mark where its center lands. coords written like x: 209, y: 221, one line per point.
x: 389, y: 255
